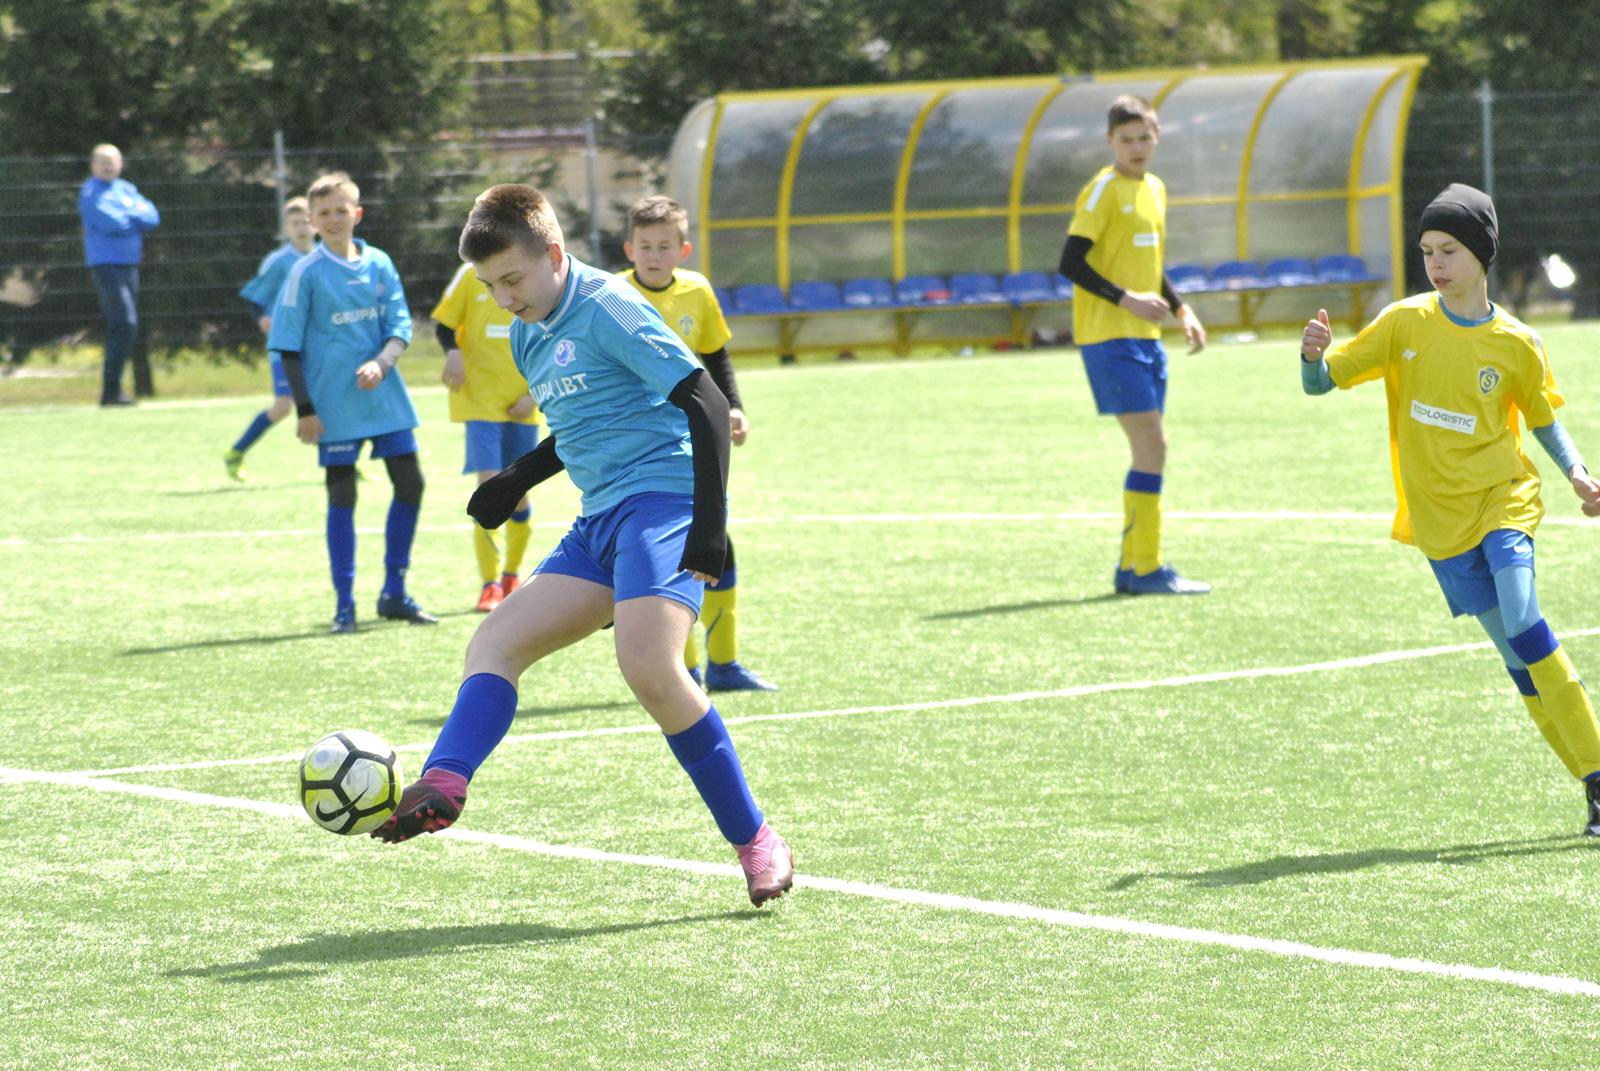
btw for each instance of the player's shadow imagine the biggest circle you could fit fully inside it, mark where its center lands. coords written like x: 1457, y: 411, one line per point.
x: 324, y: 952
x: 238, y: 489
x: 542, y: 712
x: 283, y: 637
x: 1021, y: 607
x: 1288, y: 866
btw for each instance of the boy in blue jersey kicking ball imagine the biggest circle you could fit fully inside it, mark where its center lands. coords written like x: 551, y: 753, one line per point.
x: 658, y: 243
x: 643, y: 432
x: 340, y: 325
x: 262, y: 294
x: 1460, y: 374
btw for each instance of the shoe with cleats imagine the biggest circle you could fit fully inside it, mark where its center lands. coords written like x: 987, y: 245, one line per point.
x: 404, y: 608
x: 734, y: 677
x: 344, y: 619
x: 768, y: 865
x: 1165, y: 581
x: 509, y: 582
x: 233, y: 461
x: 429, y: 804
x: 1120, y: 581
x: 493, y: 595
x: 1591, y: 791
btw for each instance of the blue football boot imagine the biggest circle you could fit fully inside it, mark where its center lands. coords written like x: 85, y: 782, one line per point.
x: 404, y: 608
x: 733, y: 677
x: 1120, y: 581
x: 694, y: 675
x: 1591, y: 791
x: 1165, y: 581
x: 344, y: 619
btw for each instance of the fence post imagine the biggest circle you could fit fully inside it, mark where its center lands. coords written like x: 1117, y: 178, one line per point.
x: 592, y: 167
x: 280, y: 171
x: 1486, y: 108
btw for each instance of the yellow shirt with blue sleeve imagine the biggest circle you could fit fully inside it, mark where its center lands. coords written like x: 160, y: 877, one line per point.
x: 690, y: 307
x: 483, y: 331
x: 1455, y: 395
x: 1126, y: 219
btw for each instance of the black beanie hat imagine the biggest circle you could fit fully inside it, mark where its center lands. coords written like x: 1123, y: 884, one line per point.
x: 1468, y: 216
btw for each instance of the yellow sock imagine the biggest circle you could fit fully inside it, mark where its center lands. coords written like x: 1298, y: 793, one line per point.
x: 488, y: 554
x: 1566, y: 703
x: 1551, y: 734
x: 720, y: 615
x: 517, y: 535
x: 1141, y: 534
x: 694, y: 652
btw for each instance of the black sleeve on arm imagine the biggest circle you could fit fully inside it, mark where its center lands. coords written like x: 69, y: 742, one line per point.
x: 297, y: 383
x: 1075, y: 266
x: 446, y: 337
x: 706, y: 548
x: 496, y: 498
x: 720, y: 365
x: 1170, y: 294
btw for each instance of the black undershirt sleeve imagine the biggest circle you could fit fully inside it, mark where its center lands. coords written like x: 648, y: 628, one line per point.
x: 496, y: 498
x: 1075, y: 266
x: 705, y: 550
x: 720, y: 365
x: 1170, y: 294
x: 446, y: 337
x: 296, y: 376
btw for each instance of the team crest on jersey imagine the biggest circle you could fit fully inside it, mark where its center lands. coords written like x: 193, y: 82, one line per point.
x: 686, y: 325
x: 1488, y: 380
x: 566, y: 353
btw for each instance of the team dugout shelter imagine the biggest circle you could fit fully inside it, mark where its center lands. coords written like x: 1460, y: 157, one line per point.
x: 899, y: 215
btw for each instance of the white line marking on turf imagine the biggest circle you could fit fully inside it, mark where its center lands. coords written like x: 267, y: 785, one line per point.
x: 1091, y: 516
x: 1345, y: 957
x: 1357, y: 662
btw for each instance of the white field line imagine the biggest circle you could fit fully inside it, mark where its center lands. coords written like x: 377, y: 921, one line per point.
x: 940, y: 901
x: 1357, y: 662
x: 1091, y: 516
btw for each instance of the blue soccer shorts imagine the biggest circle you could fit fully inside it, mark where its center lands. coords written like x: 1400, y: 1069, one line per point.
x: 280, y: 378
x: 494, y: 444
x: 1467, y: 579
x: 348, y: 452
x: 633, y: 548
x: 1127, y: 375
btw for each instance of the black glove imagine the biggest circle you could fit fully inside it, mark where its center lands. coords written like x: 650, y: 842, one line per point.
x: 492, y: 504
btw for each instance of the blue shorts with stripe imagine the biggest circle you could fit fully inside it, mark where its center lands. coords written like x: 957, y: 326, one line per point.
x: 1127, y: 375
x: 633, y: 548
x: 1467, y: 579
x: 494, y: 444
x: 348, y: 452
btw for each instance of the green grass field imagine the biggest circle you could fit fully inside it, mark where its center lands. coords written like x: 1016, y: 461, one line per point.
x: 1301, y: 823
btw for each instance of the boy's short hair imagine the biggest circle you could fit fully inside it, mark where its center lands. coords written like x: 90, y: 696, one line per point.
x: 1130, y: 109
x: 507, y: 215
x: 325, y: 185
x: 658, y: 208
x: 296, y: 204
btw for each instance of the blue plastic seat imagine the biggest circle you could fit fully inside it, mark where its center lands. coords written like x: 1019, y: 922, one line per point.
x: 1187, y: 278
x: 815, y: 296
x: 724, y: 297
x: 976, y: 288
x: 1291, y: 271
x: 1342, y: 268
x: 760, y: 297
x: 1063, y: 286
x: 922, y: 290
x: 1022, y: 287
x: 1236, y: 275
x: 867, y: 293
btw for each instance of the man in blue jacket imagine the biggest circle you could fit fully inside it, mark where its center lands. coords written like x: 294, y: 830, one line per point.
x: 115, y: 217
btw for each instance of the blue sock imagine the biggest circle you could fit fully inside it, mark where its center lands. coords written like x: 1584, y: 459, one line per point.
x: 1146, y: 483
x: 258, y: 427
x: 707, y: 756
x: 521, y: 515
x: 342, y: 552
x: 478, y: 722
x: 398, y: 533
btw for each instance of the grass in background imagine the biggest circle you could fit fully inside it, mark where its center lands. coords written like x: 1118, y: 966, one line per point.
x: 901, y: 542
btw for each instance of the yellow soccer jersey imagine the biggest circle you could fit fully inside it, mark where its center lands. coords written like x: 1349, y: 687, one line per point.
x: 690, y: 307
x: 483, y: 331
x: 1454, y: 398
x: 1126, y: 219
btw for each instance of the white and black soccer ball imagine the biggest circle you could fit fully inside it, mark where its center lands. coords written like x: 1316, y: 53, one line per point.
x: 350, y: 781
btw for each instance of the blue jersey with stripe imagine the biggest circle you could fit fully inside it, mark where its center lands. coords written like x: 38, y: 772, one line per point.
x: 601, y: 366
x: 337, y: 314
x: 262, y: 291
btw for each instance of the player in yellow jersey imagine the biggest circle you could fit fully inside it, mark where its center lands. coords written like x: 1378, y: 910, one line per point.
x: 658, y: 242
x: 1460, y: 374
x: 489, y: 395
x: 1121, y: 294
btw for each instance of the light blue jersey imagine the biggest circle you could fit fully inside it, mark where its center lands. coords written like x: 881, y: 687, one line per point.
x: 600, y: 366
x: 262, y: 291
x: 337, y: 314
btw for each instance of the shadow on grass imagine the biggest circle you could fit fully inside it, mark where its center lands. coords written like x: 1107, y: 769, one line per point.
x: 368, y: 625
x: 240, y: 488
x: 1287, y: 866
x: 317, y: 954
x: 542, y: 712
x: 1021, y: 607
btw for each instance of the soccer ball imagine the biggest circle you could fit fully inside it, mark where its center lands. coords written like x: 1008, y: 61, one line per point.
x: 350, y: 781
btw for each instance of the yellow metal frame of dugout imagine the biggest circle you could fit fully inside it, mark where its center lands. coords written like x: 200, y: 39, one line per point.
x: 1014, y: 211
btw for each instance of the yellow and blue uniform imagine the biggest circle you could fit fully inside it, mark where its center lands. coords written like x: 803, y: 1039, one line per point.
x: 1467, y: 495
